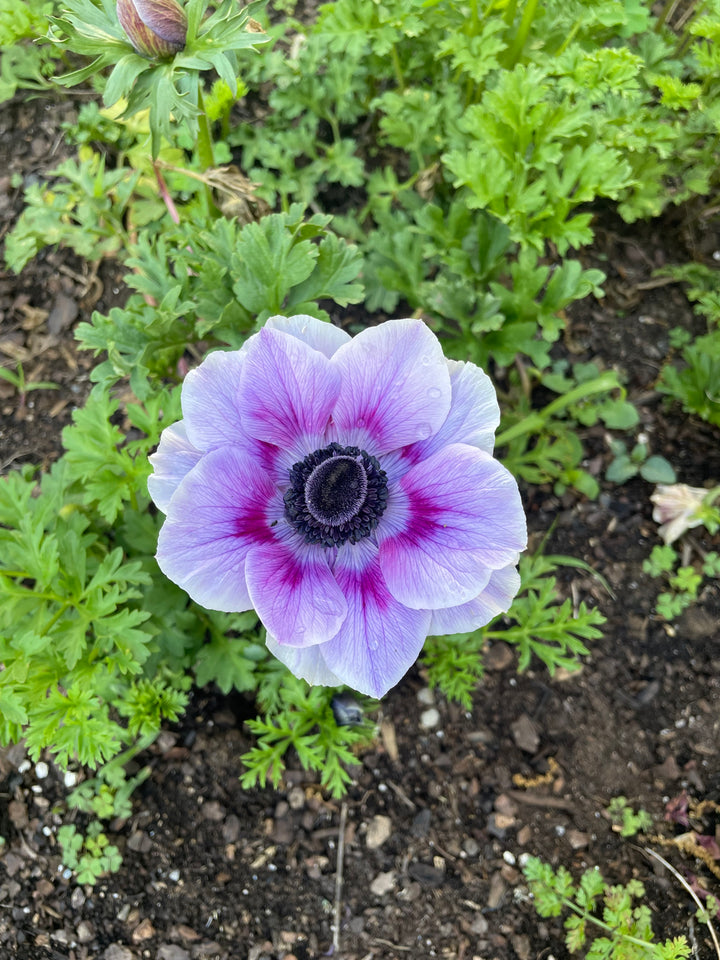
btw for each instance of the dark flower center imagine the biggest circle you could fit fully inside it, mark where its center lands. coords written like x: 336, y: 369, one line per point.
x: 336, y: 494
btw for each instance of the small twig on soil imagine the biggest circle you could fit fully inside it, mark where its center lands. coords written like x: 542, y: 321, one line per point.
x: 339, y: 879
x: 654, y: 283
x: 398, y: 791
x: 540, y: 800
x: 683, y: 881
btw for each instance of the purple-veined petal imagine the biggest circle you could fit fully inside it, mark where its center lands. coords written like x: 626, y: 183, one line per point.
x: 166, y: 18
x: 395, y: 386
x: 318, y: 334
x: 473, y: 418
x: 474, y: 413
x: 287, y: 392
x: 380, y: 638
x: 156, y: 28
x: 495, y: 598
x: 172, y: 461
x: 304, y: 662
x: 294, y: 592
x: 210, y: 396
x: 224, y: 506
x: 450, y: 520
x: 211, y: 408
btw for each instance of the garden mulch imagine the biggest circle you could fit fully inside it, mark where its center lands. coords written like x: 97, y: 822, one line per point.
x: 447, y: 803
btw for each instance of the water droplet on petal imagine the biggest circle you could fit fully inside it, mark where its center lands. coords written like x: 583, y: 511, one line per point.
x: 424, y: 431
x: 426, y: 360
x: 434, y: 393
x: 361, y: 421
x: 333, y: 608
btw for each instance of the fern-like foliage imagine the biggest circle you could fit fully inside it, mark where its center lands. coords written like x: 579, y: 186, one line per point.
x: 623, y: 924
x: 300, y: 717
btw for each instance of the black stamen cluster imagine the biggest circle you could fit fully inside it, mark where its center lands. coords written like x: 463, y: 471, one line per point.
x: 341, y: 501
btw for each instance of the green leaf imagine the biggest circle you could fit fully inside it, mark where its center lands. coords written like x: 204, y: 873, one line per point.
x: 333, y: 278
x: 268, y: 262
x: 230, y: 662
x: 657, y: 470
x: 621, y: 470
x: 11, y: 708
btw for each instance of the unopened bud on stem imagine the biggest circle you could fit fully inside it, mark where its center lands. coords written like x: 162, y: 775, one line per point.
x: 156, y: 28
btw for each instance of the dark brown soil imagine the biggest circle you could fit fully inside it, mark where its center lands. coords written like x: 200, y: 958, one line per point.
x: 440, y: 814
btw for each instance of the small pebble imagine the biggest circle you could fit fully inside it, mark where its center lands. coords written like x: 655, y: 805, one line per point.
x: 471, y: 847
x: 429, y: 718
x: 69, y: 779
x: 77, y: 899
x: 41, y: 770
x: 383, y: 883
x: 426, y: 697
x: 296, y: 798
x: 378, y: 831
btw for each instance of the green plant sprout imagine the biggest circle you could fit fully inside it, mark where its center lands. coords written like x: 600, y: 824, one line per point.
x: 627, y: 821
x: 684, y: 581
x: 22, y: 385
x: 90, y: 856
x: 629, y: 463
x: 625, y: 930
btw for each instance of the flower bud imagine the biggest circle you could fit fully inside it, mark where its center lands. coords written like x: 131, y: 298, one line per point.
x: 678, y: 508
x: 156, y: 28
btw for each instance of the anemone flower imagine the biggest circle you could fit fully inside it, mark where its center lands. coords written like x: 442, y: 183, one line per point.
x: 345, y: 488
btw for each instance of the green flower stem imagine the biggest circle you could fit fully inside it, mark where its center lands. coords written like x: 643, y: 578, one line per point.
x: 516, y: 47
x: 400, y: 79
x: 535, y: 421
x: 205, y: 150
x: 205, y: 147
x: 474, y: 18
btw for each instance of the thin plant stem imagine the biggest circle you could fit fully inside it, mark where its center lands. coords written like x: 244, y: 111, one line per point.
x: 534, y: 421
x: 398, y: 69
x: 606, y: 926
x: 523, y: 31
x: 205, y: 149
x: 204, y: 144
x: 165, y: 194
x: 474, y: 17
x: 339, y: 878
x: 666, y: 11
x: 651, y: 853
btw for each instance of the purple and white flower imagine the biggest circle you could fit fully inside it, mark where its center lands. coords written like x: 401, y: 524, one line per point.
x: 345, y: 488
